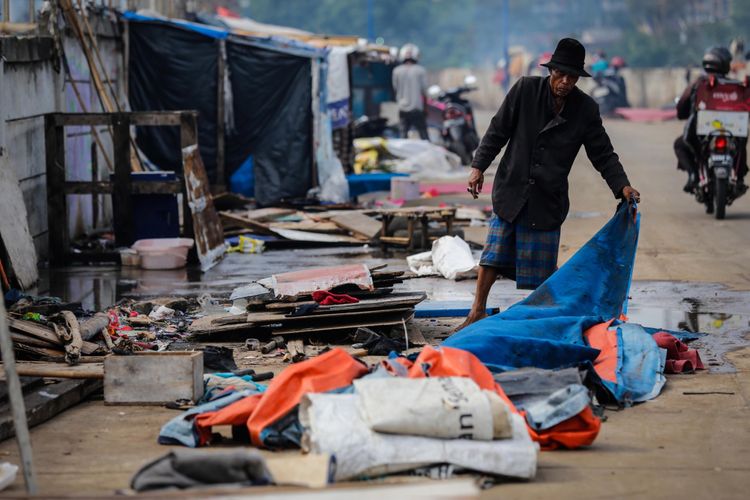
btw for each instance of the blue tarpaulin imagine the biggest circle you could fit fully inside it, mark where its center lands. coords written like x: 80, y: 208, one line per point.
x: 368, y: 183
x: 545, y: 330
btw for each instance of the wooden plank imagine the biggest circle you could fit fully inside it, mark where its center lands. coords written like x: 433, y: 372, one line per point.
x: 137, y: 187
x: 359, y: 224
x: 395, y: 240
x: 60, y: 370
x: 21, y: 338
x: 48, y: 401
x: 296, y: 349
x: 309, y: 225
x: 393, y: 300
x: 121, y: 202
x: 158, y: 118
x: 229, y: 220
x: 267, y: 214
x: 203, y: 326
x: 48, y: 335
x: 294, y: 235
x: 416, y: 337
x: 15, y: 237
x: 389, y: 321
x: 57, y: 215
x: 153, y: 377
x: 221, y: 61
x: 475, y: 235
x: 139, y: 118
x: 264, y: 318
x: 207, y: 229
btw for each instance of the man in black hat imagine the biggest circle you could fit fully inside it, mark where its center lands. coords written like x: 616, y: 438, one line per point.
x: 544, y: 121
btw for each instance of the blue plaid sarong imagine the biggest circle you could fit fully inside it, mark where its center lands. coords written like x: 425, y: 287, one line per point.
x: 520, y: 253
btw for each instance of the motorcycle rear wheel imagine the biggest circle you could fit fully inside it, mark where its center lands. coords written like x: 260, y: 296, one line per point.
x: 720, y: 198
x: 459, y: 148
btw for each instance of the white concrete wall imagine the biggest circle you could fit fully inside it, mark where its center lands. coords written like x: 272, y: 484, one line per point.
x: 647, y: 87
x: 28, y: 90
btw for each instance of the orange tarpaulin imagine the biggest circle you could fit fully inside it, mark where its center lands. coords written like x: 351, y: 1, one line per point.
x: 331, y: 370
x: 336, y: 369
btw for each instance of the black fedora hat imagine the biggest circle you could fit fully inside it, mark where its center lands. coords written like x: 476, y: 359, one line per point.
x: 568, y: 57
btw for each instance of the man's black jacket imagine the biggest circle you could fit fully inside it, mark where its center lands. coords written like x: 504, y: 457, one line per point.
x: 541, y: 149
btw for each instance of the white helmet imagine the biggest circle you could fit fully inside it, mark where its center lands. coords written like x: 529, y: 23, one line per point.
x: 408, y: 51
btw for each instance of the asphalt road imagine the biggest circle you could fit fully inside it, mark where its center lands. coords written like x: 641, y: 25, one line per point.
x: 678, y: 240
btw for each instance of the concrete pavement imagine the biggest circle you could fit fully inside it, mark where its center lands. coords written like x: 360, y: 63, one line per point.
x: 690, y: 446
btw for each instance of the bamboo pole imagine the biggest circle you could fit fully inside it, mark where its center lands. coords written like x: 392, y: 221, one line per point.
x: 84, y: 108
x: 18, y: 407
x: 106, y: 102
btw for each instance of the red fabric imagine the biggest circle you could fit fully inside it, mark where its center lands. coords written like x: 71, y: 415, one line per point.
x: 326, y: 298
x: 575, y: 432
x: 331, y: 370
x: 680, y: 358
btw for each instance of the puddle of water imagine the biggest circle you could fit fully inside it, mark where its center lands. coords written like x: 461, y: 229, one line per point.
x: 722, y: 314
x: 725, y: 332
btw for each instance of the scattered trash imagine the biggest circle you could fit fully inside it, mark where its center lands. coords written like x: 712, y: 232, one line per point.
x: 8, y: 473
x: 450, y: 257
x: 247, y: 244
x: 161, y: 312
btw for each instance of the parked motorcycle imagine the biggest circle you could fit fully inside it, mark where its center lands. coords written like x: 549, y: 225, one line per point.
x: 453, y: 117
x: 722, y: 130
x: 609, y: 92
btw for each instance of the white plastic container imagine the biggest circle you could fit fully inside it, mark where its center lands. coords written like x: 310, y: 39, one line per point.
x: 163, y: 253
x: 129, y: 257
x: 404, y: 188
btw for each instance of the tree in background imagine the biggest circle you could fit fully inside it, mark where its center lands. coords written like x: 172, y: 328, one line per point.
x: 467, y: 33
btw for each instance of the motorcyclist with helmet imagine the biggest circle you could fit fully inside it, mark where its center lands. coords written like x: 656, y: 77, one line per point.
x: 410, y: 84
x: 716, y: 62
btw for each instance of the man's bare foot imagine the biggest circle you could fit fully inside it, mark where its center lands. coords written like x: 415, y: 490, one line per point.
x: 473, y: 317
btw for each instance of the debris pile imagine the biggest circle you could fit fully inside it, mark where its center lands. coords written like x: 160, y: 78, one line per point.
x: 289, y: 306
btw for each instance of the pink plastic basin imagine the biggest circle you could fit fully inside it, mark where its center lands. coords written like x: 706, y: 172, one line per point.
x: 163, y: 253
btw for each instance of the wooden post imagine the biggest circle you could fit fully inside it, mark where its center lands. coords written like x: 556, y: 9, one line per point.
x: 6, y: 11
x: 121, y: 204
x: 95, y: 177
x: 32, y: 11
x: 57, y: 207
x: 126, y: 57
x: 221, y: 179
x: 17, y: 405
x: 188, y: 137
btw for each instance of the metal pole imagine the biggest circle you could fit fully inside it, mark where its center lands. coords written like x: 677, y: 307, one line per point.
x: 370, y: 20
x: 18, y: 408
x: 506, y: 51
x: 6, y: 11
x: 32, y: 12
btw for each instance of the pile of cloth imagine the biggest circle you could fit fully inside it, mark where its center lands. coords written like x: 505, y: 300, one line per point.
x: 578, y: 317
x: 488, y: 399
x: 421, y: 159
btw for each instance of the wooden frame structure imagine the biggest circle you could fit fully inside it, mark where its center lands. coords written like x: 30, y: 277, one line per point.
x: 414, y: 216
x: 58, y: 187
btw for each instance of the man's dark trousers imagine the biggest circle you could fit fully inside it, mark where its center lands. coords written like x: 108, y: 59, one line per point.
x: 416, y: 119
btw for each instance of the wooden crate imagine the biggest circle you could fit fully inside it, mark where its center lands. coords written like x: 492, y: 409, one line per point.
x: 153, y: 377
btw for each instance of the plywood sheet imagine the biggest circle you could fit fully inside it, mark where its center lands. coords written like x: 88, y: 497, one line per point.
x: 359, y: 224
x: 14, y: 230
x: 209, y: 237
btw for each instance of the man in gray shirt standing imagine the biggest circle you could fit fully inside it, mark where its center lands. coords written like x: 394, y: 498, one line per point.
x: 410, y: 83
